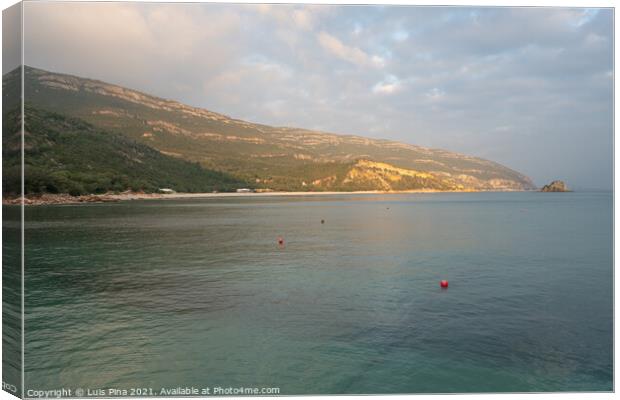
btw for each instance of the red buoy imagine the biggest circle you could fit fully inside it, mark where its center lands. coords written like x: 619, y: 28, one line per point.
x: 280, y: 240
x: 443, y: 284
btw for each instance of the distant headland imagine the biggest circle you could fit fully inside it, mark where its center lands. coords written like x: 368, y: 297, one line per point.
x: 555, y: 186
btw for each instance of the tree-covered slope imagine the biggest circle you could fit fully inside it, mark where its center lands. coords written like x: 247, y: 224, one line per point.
x: 68, y: 155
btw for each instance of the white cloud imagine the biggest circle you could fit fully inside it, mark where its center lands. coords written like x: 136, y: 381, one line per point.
x: 378, y: 61
x: 585, y: 16
x: 593, y: 39
x: 302, y: 17
x: 400, y: 35
x: 389, y: 85
x: 351, y: 54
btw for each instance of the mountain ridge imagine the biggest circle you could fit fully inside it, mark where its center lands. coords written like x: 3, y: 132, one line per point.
x: 267, y: 157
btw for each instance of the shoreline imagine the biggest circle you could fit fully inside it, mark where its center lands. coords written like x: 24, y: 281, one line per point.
x: 49, y: 199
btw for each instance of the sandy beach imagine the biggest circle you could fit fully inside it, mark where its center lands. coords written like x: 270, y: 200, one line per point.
x: 46, y: 199
x: 140, y: 196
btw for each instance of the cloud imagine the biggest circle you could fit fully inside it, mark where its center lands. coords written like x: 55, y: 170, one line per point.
x: 348, y: 53
x: 400, y: 35
x: 302, y: 17
x: 11, y: 43
x: 435, y: 94
x: 527, y: 87
x: 389, y: 85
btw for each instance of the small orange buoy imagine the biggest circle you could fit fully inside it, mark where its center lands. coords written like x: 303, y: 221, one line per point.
x: 280, y: 240
x: 443, y: 284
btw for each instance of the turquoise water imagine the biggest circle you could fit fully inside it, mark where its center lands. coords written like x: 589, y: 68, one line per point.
x: 11, y: 300
x: 198, y: 292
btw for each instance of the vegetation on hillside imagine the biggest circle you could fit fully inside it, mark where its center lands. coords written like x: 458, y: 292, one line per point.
x: 67, y: 155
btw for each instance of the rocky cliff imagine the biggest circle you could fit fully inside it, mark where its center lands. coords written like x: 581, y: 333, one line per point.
x: 555, y: 186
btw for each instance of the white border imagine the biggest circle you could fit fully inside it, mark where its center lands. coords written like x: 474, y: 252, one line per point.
x: 484, y: 3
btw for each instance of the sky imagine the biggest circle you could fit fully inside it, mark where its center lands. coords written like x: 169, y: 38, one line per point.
x: 531, y: 88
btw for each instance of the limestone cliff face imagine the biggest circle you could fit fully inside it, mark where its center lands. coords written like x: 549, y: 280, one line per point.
x: 366, y: 174
x: 555, y: 186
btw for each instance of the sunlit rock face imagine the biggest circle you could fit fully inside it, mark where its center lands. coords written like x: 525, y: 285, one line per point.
x: 555, y: 186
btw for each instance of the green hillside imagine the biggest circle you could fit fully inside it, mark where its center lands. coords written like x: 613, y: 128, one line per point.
x: 276, y: 158
x: 67, y: 155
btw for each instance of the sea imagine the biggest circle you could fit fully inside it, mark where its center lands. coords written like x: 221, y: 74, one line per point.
x: 200, y: 293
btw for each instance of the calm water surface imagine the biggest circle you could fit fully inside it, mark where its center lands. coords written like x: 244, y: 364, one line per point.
x: 198, y: 292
